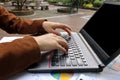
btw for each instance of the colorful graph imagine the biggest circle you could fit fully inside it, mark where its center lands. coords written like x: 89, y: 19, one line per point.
x: 62, y: 76
x: 115, y: 64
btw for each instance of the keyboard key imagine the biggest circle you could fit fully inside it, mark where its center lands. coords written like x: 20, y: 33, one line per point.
x: 74, y: 57
x: 68, y: 62
x: 80, y: 63
x: 74, y: 62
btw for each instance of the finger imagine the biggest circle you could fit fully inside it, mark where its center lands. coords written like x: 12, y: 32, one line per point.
x: 63, y: 43
x: 68, y: 31
x: 62, y: 26
x: 62, y: 48
x: 55, y: 32
x: 50, y: 30
x: 65, y: 28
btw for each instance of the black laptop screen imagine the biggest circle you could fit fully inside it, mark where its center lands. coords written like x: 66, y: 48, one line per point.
x: 104, y: 27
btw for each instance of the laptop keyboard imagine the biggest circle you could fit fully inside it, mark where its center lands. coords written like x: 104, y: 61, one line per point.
x: 73, y: 58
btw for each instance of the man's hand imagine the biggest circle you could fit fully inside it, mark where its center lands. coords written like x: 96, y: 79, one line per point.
x: 51, y: 41
x: 51, y: 26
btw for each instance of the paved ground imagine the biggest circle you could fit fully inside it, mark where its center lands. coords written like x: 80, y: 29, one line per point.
x: 75, y: 20
x: 52, y: 12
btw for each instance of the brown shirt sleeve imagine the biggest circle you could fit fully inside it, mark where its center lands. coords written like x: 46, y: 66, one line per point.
x: 13, y: 24
x: 18, y: 55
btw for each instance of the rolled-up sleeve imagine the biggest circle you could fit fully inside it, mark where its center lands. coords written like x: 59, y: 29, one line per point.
x: 18, y: 55
x: 13, y: 24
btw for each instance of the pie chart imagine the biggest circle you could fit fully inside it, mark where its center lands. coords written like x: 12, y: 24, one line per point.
x: 62, y: 76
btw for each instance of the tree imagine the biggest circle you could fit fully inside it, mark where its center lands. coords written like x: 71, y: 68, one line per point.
x: 20, y: 9
x: 4, y: 0
x: 20, y: 4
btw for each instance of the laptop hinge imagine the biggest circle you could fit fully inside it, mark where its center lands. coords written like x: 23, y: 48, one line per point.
x: 95, y: 47
x: 99, y: 62
x: 100, y: 68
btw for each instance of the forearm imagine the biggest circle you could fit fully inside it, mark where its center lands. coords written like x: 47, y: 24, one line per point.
x: 13, y: 24
x: 18, y: 55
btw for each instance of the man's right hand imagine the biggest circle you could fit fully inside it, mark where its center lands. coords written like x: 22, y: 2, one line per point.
x: 51, y: 41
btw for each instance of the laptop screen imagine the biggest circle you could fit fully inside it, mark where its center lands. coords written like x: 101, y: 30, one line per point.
x: 104, y: 26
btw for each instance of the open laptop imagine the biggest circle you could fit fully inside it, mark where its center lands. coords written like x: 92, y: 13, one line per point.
x: 90, y: 50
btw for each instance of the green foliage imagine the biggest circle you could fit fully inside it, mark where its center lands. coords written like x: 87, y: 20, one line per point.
x: 56, y: 1
x: 52, y: 1
x: 85, y: 3
x: 88, y: 5
x: 92, y: 3
x: 97, y: 3
x: 4, y: 0
x: 88, y: 1
x: 115, y: 0
x: 65, y: 1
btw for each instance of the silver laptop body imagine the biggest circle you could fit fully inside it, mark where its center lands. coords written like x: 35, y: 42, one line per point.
x: 91, y: 49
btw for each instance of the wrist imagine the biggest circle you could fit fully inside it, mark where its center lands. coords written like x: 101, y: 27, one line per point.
x: 41, y: 28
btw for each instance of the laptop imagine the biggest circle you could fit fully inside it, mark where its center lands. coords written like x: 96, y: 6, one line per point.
x: 91, y: 49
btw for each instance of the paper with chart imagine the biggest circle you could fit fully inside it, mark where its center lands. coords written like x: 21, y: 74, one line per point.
x: 115, y: 64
